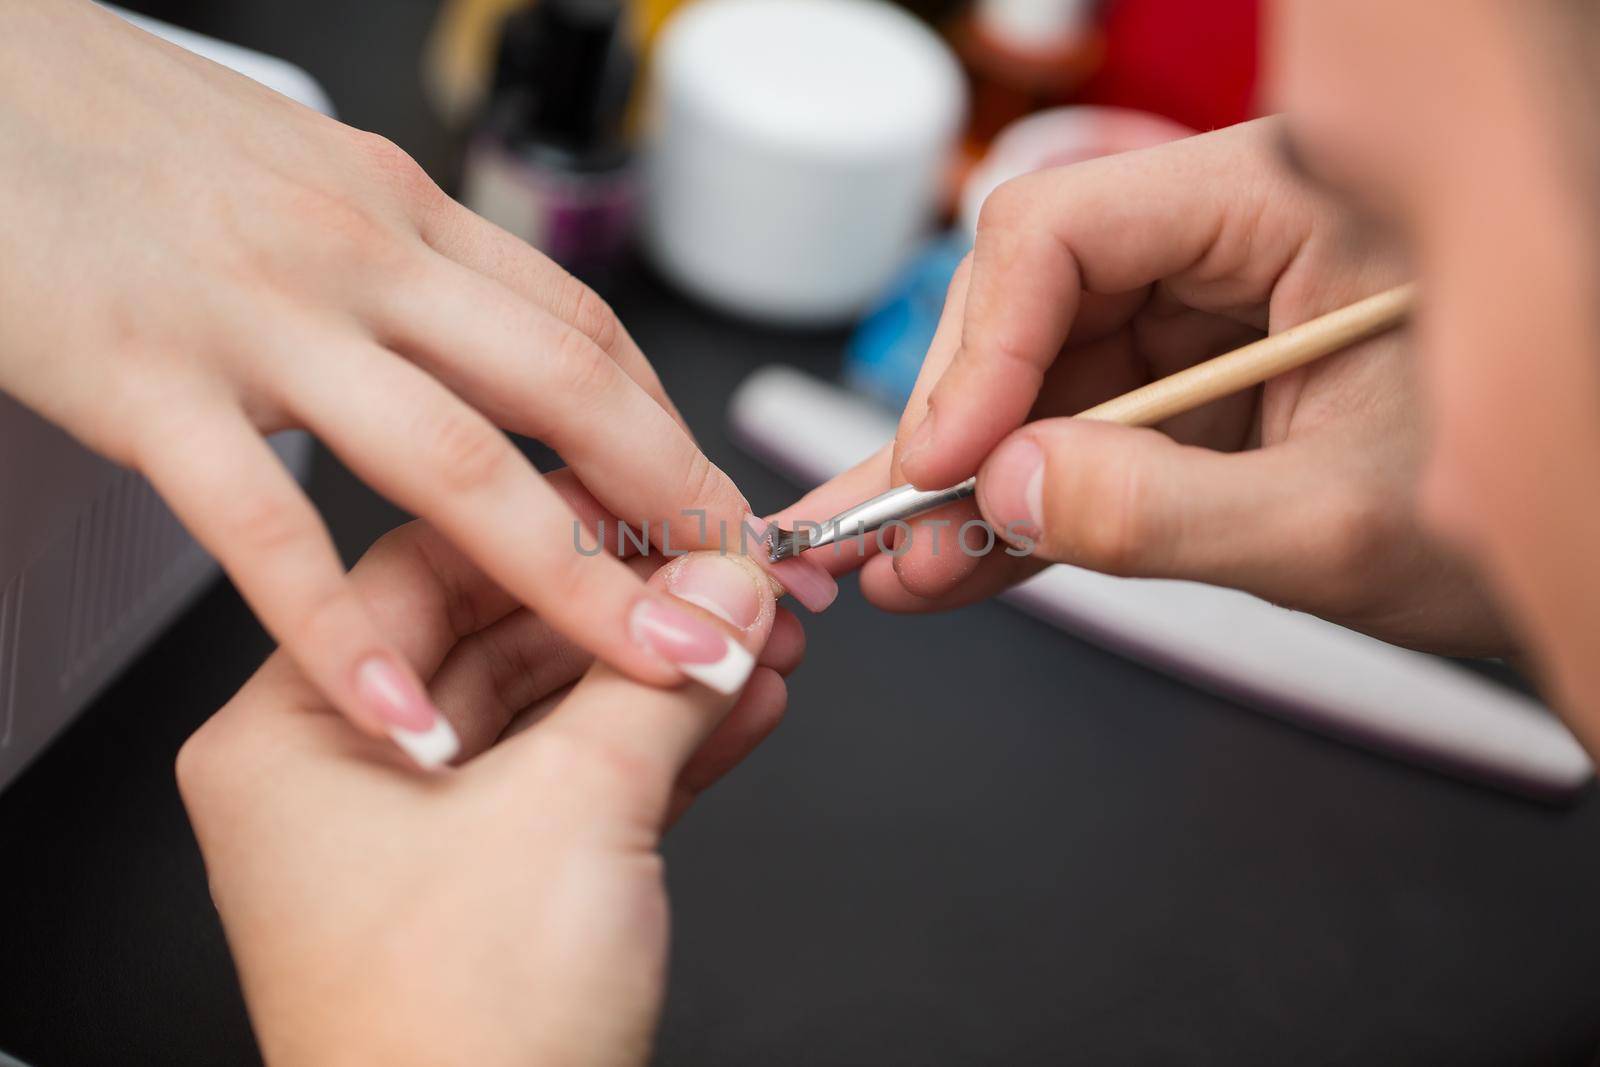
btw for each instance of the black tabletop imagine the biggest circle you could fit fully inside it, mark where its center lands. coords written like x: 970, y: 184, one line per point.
x: 975, y: 840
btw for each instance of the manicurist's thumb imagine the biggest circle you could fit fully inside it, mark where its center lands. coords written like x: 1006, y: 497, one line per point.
x: 1134, y: 502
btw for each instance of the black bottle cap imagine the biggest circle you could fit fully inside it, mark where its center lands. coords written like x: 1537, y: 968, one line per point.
x: 563, y: 77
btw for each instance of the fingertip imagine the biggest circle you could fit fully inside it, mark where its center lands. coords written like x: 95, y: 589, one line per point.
x: 882, y: 588
x: 927, y: 574
x: 391, y: 695
x: 1011, y: 488
x: 432, y: 748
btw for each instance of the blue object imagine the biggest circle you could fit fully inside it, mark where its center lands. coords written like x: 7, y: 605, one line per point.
x: 885, y: 353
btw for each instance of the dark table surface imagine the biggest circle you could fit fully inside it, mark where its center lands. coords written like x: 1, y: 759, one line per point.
x: 976, y: 840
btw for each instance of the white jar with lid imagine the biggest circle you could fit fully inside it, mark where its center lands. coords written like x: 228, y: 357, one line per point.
x: 796, y: 150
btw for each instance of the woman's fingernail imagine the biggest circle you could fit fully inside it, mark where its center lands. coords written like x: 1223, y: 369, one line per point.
x: 430, y: 748
x: 1012, y: 489
x: 722, y: 585
x: 698, y: 649
x: 805, y: 579
x: 405, y: 711
x: 807, y: 582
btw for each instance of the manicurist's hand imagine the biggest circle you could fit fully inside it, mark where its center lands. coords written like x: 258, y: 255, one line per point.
x: 1091, y: 280
x: 509, y: 910
x: 189, y: 261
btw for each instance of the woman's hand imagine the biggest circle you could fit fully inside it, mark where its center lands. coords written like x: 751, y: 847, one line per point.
x: 189, y: 261
x: 508, y: 911
x: 1090, y: 280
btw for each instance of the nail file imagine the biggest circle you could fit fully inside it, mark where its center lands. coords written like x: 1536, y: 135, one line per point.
x: 1415, y: 707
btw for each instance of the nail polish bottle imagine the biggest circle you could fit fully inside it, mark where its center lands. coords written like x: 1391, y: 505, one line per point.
x: 550, y: 162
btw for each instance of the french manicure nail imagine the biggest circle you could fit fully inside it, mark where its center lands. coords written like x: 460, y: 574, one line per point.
x: 723, y: 585
x: 430, y: 748
x: 405, y: 711
x: 698, y: 649
x: 1012, y: 488
x: 805, y: 579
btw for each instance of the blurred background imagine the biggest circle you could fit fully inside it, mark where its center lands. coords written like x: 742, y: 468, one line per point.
x: 978, y: 838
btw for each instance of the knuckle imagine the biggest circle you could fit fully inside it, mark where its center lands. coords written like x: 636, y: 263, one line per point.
x: 586, y: 763
x: 583, y: 373
x: 467, y: 452
x: 593, y: 317
x: 703, y: 481
x: 260, y: 524
x: 325, y: 620
x: 418, y: 543
x: 347, y: 234
x: 395, y: 165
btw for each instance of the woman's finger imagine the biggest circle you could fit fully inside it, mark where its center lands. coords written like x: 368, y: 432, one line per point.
x: 429, y: 599
x: 491, y: 676
x: 532, y: 373
x: 500, y: 672
x: 438, y: 458
x: 472, y: 241
x: 509, y: 670
x: 720, y: 617
x: 752, y: 719
x: 427, y: 595
x: 230, y: 489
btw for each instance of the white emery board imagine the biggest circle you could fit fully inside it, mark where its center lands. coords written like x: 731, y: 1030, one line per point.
x: 1408, y: 705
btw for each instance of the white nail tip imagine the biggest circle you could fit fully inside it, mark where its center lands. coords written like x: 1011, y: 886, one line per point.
x: 727, y: 675
x: 430, y: 748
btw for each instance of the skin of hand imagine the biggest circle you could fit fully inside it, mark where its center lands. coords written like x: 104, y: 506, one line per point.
x: 1091, y: 280
x: 192, y: 261
x: 1473, y: 130
x: 511, y: 909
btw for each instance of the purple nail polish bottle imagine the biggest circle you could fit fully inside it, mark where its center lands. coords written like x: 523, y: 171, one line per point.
x: 550, y: 162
